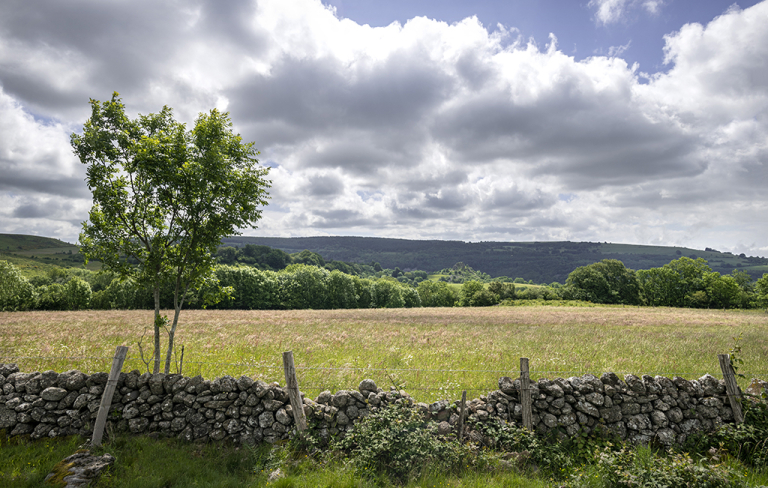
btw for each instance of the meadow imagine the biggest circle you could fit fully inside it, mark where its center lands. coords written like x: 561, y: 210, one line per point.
x: 432, y: 353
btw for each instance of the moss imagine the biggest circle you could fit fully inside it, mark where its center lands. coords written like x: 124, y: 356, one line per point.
x: 62, y: 470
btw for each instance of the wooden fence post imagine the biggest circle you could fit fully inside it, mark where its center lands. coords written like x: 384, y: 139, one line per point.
x: 292, y: 385
x: 734, y: 393
x: 181, y: 363
x: 106, y: 397
x: 525, y: 394
x: 462, y: 409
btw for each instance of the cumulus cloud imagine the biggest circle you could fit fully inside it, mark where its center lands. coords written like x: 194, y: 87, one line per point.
x: 417, y: 130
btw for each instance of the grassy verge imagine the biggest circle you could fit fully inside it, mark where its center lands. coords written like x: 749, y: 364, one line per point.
x: 433, y: 353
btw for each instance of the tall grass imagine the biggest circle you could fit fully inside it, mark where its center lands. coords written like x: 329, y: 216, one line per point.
x: 432, y: 353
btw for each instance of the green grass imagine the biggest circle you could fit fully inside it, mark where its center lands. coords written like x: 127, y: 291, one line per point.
x: 432, y: 353
x: 142, y: 462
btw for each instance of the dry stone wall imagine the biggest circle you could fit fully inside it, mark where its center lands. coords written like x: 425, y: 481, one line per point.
x: 640, y: 409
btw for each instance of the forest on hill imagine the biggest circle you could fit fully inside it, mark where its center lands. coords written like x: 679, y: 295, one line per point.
x: 540, y: 262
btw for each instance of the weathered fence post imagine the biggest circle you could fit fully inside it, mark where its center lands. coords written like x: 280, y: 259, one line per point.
x: 292, y: 385
x: 525, y: 394
x: 181, y: 362
x: 106, y: 397
x: 734, y: 393
x: 462, y: 409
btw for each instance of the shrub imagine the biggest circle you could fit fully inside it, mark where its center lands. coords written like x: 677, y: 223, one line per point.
x: 640, y: 466
x: 16, y: 293
x: 396, y: 441
x: 78, y: 294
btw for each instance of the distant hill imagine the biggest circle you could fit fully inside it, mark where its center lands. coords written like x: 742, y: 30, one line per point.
x: 35, y: 255
x: 542, y: 262
x: 19, y: 242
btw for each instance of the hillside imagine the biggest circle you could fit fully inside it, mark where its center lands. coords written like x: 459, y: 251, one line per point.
x: 35, y: 255
x: 542, y: 262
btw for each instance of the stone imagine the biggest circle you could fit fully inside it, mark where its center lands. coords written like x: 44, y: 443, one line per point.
x: 341, y: 399
x: 549, y: 420
x: 659, y: 419
x: 7, y: 417
x: 666, y: 436
x: 266, y: 420
x: 156, y: 384
x: 80, y: 469
x: 367, y: 385
x: 138, y: 425
x: 325, y: 397
x: 444, y: 428
x: 587, y: 408
x: 341, y: 418
x: 638, y: 422
x: 507, y: 385
x: 567, y: 419
x: 283, y: 417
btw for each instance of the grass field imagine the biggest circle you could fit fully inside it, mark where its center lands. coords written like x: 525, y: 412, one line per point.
x: 432, y: 353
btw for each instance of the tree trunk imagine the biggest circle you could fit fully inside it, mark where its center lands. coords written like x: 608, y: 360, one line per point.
x: 158, y: 320
x: 177, y: 304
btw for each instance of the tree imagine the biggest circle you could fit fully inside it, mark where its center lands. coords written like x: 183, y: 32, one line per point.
x: 77, y: 294
x: 468, y: 290
x: 436, y: 294
x: 16, y: 293
x: 607, y: 281
x: 662, y: 287
x: 163, y: 197
x: 761, y: 287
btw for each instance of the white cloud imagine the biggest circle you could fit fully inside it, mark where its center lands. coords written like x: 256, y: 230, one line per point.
x: 615, y: 11
x: 419, y: 130
x: 608, y: 11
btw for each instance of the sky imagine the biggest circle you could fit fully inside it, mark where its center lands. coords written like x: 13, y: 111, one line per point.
x: 628, y: 121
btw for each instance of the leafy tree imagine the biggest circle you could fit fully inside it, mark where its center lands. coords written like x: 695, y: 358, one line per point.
x: 77, y: 294
x: 163, y: 197
x: 761, y: 288
x: 436, y: 294
x: 308, y: 257
x: 386, y: 293
x: 363, y: 292
x: 744, y: 280
x: 252, y: 288
x: 692, y: 274
x: 51, y: 297
x: 661, y: 287
x: 722, y: 291
x: 483, y: 298
x: 410, y: 296
x: 16, y: 293
x: 503, y: 290
x: 226, y: 255
x: 468, y: 290
x: 303, y: 287
x: 607, y: 281
x: 341, y: 290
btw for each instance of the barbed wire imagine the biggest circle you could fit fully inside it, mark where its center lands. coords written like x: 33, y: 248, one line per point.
x: 532, y: 372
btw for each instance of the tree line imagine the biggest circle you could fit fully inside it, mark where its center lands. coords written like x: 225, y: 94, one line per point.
x: 683, y: 282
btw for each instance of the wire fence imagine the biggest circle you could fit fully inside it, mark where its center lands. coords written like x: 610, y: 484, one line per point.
x: 428, y: 384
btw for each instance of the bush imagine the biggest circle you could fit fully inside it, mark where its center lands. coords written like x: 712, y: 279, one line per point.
x: 640, y: 466
x: 16, y: 293
x: 386, y: 293
x: 78, y: 294
x: 397, y: 442
x: 436, y: 294
x: 51, y: 297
